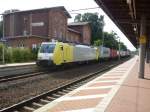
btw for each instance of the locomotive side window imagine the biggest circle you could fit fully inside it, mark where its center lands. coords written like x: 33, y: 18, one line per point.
x: 47, y: 48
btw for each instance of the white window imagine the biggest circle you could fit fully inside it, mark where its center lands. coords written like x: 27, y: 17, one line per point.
x: 34, y: 46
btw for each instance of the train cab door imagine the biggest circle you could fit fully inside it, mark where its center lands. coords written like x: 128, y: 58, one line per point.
x: 65, y: 53
x: 62, y: 52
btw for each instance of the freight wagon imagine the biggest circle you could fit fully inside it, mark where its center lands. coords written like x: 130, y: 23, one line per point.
x: 104, y: 52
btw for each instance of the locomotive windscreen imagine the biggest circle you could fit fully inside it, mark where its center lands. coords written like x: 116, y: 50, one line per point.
x: 47, y: 48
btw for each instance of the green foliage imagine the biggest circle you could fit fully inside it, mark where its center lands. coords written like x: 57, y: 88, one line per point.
x: 97, y: 25
x: 13, y: 55
x: 96, y: 21
x: 34, y: 53
x: 17, y: 55
x: 8, y: 55
x: 1, y: 51
x: 97, y: 42
x: 78, y: 18
x: 110, y: 40
x: 122, y: 46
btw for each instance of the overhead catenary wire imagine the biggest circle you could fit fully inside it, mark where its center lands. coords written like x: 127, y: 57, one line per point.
x: 75, y: 10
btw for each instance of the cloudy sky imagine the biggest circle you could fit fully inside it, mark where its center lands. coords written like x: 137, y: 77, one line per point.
x: 69, y: 5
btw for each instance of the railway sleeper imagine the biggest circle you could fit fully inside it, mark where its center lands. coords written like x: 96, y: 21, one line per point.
x: 66, y: 91
x: 81, y: 83
x: 37, y: 105
x: 44, y: 101
x: 51, y: 98
x: 71, y: 88
x: 56, y: 95
x: 75, y: 86
x: 28, y: 109
x: 61, y: 92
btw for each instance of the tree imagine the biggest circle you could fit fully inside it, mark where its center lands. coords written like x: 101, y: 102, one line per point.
x: 122, y: 46
x: 97, y: 42
x: 77, y: 18
x: 96, y: 21
x: 110, y: 40
x: 97, y: 25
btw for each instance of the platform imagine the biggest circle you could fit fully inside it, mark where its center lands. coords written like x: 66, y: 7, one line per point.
x: 16, y: 64
x: 119, y: 90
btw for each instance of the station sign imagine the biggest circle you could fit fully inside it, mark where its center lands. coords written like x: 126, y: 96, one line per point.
x: 37, y: 24
x: 142, y: 39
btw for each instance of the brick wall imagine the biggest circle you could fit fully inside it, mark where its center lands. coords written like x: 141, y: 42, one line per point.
x: 51, y: 24
x: 73, y: 37
x: 58, y: 25
x: 25, y: 41
x: 85, y: 31
x: 87, y: 34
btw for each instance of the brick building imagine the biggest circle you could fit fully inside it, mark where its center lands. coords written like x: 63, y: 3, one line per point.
x: 73, y: 36
x: 85, y: 30
x: 35, y: 25
x: 30, y: 28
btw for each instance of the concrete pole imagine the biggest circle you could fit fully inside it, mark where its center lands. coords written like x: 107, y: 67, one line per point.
x: 103, y: 38
x: 3, y: 55
x: 148, y: 51
x: 142, y: 47
x: 119, y: 50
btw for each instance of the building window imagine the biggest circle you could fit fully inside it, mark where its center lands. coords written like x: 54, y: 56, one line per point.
x: 34, y: 46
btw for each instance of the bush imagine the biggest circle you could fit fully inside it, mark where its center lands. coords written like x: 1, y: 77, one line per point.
x: 1, y: 48
x: 22, y: 55
x: 18, y: 54
x: 34, y: 53
x: 9, y: 56
x: 1, y: 51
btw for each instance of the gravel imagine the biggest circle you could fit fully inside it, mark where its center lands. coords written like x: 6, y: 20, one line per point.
x: 15, y: 91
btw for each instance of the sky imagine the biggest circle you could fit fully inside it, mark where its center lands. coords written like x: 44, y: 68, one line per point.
x: 69, y: 5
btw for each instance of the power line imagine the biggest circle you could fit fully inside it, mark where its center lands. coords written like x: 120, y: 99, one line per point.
x: 83, y: 9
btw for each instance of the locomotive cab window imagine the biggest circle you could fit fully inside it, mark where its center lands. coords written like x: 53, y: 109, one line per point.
x: 47, y: 48
x: 61, y: 47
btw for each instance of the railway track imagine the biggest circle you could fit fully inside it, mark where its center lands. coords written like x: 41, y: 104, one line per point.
x: 17, y: 70
x: 16, y: 77
x: 42, y: 99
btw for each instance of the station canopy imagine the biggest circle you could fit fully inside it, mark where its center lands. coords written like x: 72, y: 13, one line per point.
x: 127, y: 14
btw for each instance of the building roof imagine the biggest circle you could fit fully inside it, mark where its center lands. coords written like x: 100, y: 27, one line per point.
x: 42, y: 9
x: 78, y: 23
x: 127, y: 14
x: 72, y: 30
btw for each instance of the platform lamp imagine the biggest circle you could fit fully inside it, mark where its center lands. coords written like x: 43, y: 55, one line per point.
x: 119, y: 47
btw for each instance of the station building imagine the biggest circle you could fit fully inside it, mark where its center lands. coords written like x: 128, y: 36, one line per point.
x: 30, y: 28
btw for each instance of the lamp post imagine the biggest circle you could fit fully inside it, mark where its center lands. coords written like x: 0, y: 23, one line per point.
x: 102, y: 38
x: 3, y: 40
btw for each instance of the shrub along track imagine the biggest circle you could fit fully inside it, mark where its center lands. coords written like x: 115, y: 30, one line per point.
x: 15, y: 91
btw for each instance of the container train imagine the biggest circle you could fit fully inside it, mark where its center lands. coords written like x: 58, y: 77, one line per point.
x: 59, y: 53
